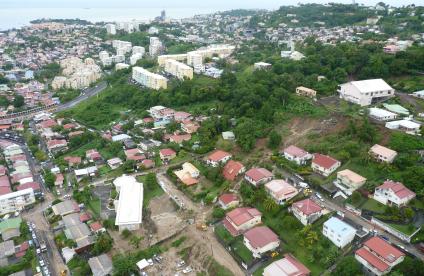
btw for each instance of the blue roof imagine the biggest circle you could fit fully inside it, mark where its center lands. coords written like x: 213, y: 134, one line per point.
x: 339, y: 226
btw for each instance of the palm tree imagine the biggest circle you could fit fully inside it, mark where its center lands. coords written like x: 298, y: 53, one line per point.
x: 312, y: 237
x: 270, y: 204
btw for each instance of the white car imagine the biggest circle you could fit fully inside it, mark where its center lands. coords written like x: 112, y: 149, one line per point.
x: 187, y: 270
x: 41, y: 263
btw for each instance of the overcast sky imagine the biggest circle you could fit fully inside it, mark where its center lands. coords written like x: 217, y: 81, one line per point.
x: 201, y: 4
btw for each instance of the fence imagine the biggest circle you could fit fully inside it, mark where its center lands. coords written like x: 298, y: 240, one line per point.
x: 393, y: 231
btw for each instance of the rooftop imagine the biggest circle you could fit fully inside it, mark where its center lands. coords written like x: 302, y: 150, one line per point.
x: 372, y: 85
x: 260, y: 236
x: 130, y: 204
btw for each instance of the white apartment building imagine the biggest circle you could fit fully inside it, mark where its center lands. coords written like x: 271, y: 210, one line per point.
x: 339, y: 232
x: 155, y: 47
x: 178, y: 57
x: 178, y: 69
x: 194, y: 59
x: 149, y: 79
x: 111, y: 29
x: 120, y: 66
x: 117, y: 44
x: 16, y: 201
x: 129, y: 206
x: 365, y: 92
x: 138, y: 50
x: 135, y: 57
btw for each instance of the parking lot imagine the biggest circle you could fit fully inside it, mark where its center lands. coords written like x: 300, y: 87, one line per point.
x: 103, y: 193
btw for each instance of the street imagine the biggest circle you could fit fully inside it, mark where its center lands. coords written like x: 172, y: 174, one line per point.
x: 90, y: 92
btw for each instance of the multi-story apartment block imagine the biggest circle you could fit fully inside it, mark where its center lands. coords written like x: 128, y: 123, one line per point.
x: 111, y: 29
x: 178, y: 69
x: 149, y: 79
x: 16, y: 201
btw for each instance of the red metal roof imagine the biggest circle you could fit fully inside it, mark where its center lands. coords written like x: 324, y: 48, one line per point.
x: 398, y: 188
x: 307, y: 206
x: 240, y: 216
x: 167, y: 152
x: 218, y: 155
x: 324, y: 161
x: 228, y: 198
x: 372, y: 259
x: 384, y: 249
x: 34, y: 185
x: 258, y: 174
x: 295, y: 151
x: 260, y: 236
x: 232, y: 169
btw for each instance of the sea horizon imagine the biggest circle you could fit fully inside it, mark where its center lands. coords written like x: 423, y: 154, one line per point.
x: 9, y: 20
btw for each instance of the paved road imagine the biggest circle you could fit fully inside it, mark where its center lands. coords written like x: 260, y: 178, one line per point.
x: 90, y: 92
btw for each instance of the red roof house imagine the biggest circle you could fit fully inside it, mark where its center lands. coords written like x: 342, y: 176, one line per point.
x: 298, y: 155
x: 324, y: 164
x: 228, y: 201
x: 241, y: 219
x: 232, y: 169
x: 167, y: 154
x: 260, y: 240
x: 393, y: 193
x: 257, y: 176
x: 306, y: 211
x: 378, y: 256
x: 34, y: 185
x: 218, y: 157
x: 287, y: 266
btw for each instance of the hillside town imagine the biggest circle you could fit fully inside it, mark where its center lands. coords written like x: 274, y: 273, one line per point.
x: 244, y: 142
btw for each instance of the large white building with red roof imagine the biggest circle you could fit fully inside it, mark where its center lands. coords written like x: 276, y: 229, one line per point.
x: 257, y: 176
x: 239, y: 220
x: 298, y: 155
x: 324, y: 164
x: 393, y: 193
x: 378, y: 257
x: 306, y: 211
x: 232, y: 169
x: 218, y: 157
x: 287, y: 266
x: 260, y: 240
x: 280, y: 191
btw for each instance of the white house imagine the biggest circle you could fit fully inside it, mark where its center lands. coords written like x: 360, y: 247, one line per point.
x: 297, y: 155
x: 404, y: 125
x: 393, y: 193
x: 306, y: 211
x: 365, y: 92
x: 217, y: 158
x: 339, y: 232
x: 280, y: 190
x: 382, y: 154
x: 381, y: 114
x: 260, y: 240
x: 349, y: 181
x: 378, y: 256
x: 129, y: 206
x: 324, y: 164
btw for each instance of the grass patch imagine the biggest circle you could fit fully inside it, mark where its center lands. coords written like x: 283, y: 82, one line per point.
x: 178, y: 242
x: 407, y: 229
x: 150, y: 191
x: 373, y: 205
x: 95, y: 206
x: 223, y: 234
x: 242, y: 251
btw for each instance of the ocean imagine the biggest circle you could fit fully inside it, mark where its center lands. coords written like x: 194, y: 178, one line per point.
x: 19, y: 17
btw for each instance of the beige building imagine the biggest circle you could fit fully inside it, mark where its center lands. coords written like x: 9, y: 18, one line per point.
x: 178, y: 69
x: 178, y: 57
x: 76, y: 74
x: 307, y: 92
x: 149, y: 79
x: 382, y: 154
x: 349, y: 181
